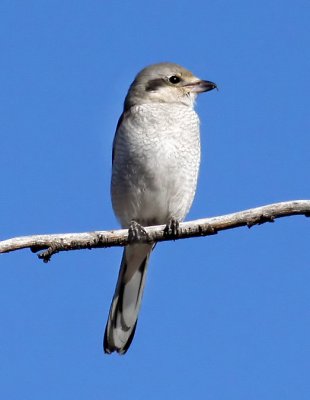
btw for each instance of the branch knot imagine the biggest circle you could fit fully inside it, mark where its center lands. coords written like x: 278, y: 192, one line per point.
x: 52, y: 244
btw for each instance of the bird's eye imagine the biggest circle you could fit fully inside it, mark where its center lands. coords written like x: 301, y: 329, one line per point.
x: 174, y: 79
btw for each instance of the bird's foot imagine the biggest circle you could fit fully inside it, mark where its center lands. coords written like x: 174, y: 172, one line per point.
x: 136, y: 232
x: 172, y: 228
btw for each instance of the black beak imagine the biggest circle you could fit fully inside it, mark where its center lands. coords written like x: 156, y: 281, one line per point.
x: 201, y: 86
x: 204, y: 86
x: 207, y: 86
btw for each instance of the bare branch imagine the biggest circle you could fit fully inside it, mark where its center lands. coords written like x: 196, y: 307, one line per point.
x: 52, y: 244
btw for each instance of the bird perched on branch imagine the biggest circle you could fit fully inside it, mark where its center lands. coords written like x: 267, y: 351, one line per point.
x: 156, y: 157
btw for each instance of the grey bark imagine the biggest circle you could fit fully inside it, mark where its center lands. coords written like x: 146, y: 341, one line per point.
x: 55, y: 243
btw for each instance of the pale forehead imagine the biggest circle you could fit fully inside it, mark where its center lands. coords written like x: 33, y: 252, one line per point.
x: 163, y: 69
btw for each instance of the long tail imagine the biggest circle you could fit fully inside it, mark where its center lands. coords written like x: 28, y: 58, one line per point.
x: 123, y: 317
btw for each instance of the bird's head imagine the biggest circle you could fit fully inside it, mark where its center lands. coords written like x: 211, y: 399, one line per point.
x: 166, y: 83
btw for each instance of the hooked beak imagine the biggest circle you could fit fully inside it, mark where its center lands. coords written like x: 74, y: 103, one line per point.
x: 201, y: 86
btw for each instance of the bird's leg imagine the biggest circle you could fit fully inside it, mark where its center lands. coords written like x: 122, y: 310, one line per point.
x: 172, y: 228
x: 136, y: 232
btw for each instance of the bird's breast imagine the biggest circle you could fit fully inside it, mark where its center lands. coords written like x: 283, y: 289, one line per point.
x: 156, y: 162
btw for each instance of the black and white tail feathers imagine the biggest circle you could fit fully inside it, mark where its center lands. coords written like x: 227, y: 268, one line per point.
x: 124, y: 311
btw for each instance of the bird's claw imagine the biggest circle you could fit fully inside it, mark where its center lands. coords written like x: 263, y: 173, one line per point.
x: 172, y: 228
x: 136, y: 232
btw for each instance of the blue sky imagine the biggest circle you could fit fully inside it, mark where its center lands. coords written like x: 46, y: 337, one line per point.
x: 224, y: 317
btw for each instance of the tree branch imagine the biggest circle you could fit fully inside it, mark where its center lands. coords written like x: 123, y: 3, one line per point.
x: 52, y: 244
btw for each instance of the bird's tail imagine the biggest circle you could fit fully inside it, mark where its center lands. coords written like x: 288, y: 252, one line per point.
x: 126, y: 302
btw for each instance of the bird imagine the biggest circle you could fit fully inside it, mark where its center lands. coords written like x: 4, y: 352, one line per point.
x: 155, y: 164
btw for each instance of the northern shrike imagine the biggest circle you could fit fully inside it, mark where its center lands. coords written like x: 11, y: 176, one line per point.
x: 156, y: 157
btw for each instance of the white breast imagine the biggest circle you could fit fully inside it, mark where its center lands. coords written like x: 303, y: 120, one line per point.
x: 156, y: 162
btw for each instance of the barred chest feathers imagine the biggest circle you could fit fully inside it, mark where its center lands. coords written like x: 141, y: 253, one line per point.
x: 156, y: 162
